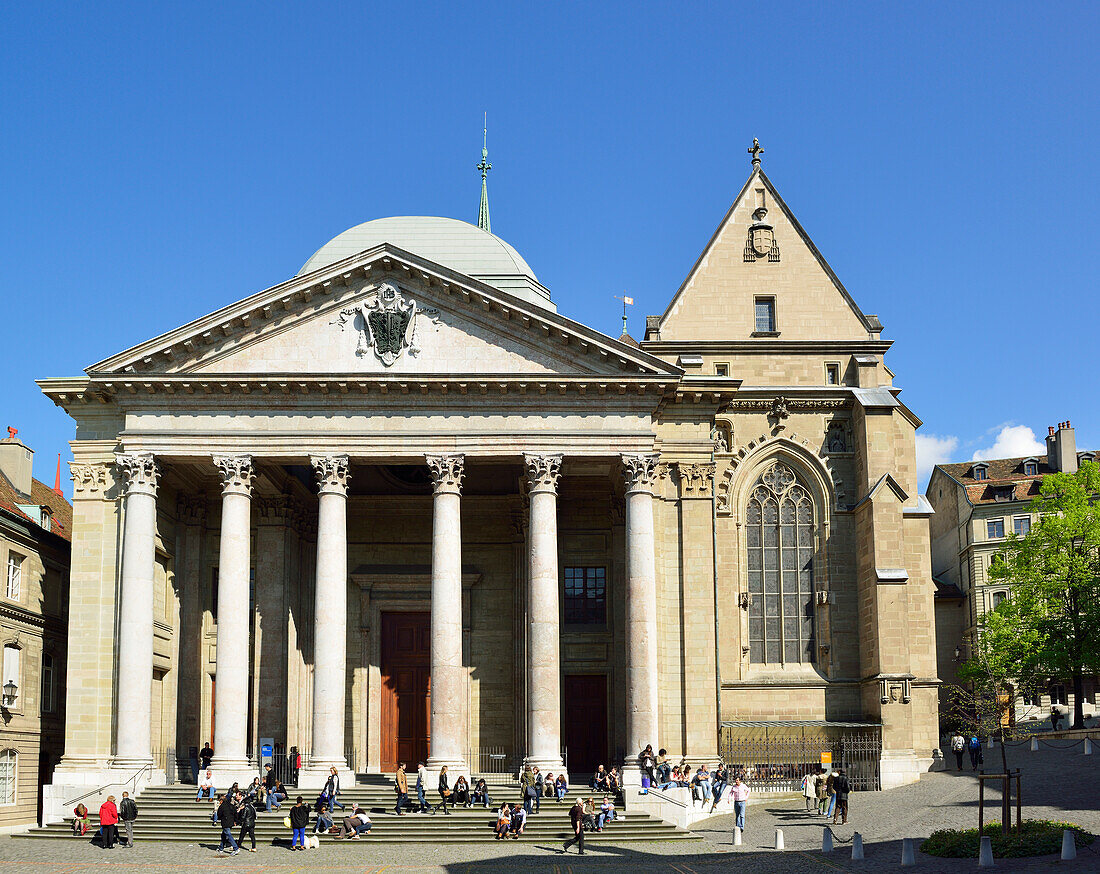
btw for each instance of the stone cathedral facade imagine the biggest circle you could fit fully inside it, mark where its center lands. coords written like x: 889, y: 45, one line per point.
x: 399, y: 508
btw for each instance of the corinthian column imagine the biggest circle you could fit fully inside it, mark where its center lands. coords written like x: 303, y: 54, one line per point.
x: 543, y: 633
x: 231, y: 693
x: 330, y: 621
x: 140, y: 474
x: 448, y: 728
x: 639, y: 472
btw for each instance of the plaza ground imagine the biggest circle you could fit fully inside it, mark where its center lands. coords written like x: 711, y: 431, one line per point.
x: 1057, y: 784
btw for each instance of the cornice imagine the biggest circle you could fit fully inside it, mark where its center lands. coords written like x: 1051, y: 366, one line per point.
x: 768, y: 346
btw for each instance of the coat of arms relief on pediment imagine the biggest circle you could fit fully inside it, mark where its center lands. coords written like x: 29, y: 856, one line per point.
x: 387, y: 324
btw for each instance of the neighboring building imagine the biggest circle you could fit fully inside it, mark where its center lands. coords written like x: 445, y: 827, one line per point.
x: 35, y: 535
x: 978, y: 505
x: 583, y: 542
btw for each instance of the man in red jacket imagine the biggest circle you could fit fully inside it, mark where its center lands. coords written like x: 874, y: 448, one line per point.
x: 108, y: 822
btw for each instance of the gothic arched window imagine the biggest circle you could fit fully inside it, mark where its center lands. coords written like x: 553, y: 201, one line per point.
x: 780, y: 527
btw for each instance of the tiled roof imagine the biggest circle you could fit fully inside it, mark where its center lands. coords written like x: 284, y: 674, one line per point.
x: 1003, y: 474
x: 43, y: 495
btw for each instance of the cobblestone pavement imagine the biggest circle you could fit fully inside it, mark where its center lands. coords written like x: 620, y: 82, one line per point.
x: 1057, y: 784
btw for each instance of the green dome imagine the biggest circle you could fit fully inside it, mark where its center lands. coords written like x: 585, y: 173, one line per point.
x: 450, y: 242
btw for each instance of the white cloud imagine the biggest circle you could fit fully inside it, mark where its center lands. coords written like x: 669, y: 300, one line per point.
x: 1013, y: 441
x: 933, y: 450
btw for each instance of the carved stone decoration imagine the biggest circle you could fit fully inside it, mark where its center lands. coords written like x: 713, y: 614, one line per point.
x: 696, y: 480
x: 332, y: 473
x: 543, y: 472
x: 744, y: 600
x: 761, y: 241
x: 719, y: 437
x: 140, y: 471
x: 275, y: 509
x: 836, y: 437
x: 447, y: 472
x: 387, y: 323
x: 779, y: 413
x: 191, y: 509
x: 88, y: 479
x: 237, y: 473
x: 792, y: 404
x: 640, y: 472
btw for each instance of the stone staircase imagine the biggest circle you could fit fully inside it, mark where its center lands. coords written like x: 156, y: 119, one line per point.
x: 170, y: 813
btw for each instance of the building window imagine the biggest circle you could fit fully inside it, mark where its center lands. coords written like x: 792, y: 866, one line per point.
x: 995, y: 560
x: 998, y: 599
x: 994, y: 528
x: 832, y: 374
x: 980, y: 472
x: 1021, y: 525
x: 15, y: 576
x: 1057, y: 694
x: 1032, y: 699
x: 721, y: 370
x: 765, y: 315
x: 9, y: 764
x: 1031, y: 468
x: 585, y: 596
x: 780, y: 537
x: 12, y: 672
x: 49, y: 683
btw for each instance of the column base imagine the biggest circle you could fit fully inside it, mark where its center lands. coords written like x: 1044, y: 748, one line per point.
x: 228, y: 771
x: 455, y: 767
x: 316, y: 774
x: 74, y: 780
x: 548, y: 764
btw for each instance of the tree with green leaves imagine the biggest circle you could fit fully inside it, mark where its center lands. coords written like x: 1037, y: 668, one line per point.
x: 1050, y: 624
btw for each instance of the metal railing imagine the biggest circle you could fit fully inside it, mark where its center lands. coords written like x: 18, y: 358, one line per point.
x: 778, y: 764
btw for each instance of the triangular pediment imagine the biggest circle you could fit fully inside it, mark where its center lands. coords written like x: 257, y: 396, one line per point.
x: 760, y: 250
x: 385, y: 312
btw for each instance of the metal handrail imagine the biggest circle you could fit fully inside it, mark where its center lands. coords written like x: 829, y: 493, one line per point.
x: 96, y: 791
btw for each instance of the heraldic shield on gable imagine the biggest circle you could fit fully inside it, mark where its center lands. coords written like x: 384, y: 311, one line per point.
x: 761, y: 239
x: 388, y: 324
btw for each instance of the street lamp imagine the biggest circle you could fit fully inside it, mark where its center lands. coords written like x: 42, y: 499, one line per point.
x: 11, y: 692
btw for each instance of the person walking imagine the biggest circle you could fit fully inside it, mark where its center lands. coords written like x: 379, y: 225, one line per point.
x: 842, y: 787
x: 820, y: 784
x: 740, y: 794
x: 958, y: 747
x: 299, y: 819
x: 401, y: 787
x: 127, y: 813
x: 108, y: 822
x: 421, y: 781
x: 576, y: 819
x: 332, y: 787
x: 975, y: 750
x: 227, y: 818
x: 246, y: 818
x: 444, y: 789
x: 809, y: 790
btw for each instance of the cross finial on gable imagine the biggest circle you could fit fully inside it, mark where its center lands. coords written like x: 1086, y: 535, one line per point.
x: 755, y: 152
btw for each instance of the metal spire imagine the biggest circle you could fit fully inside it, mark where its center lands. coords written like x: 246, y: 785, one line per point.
x: 484, y: 167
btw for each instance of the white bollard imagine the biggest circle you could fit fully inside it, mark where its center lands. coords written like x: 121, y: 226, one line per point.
x: 908, y: 857
x: 779, y: 839
x: 827, y: 840
x: 985, y: 854
x: 1088, y: 746
x: 1035, y: 744
x: 857, y: 847
x: 1069, y: 848
x: 736, y: 836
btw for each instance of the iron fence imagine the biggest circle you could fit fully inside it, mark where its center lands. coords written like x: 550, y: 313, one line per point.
x: 777, y: 763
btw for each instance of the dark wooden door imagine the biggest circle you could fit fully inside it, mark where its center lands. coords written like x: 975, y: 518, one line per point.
x: 406, y: 705
x: 585, y: 699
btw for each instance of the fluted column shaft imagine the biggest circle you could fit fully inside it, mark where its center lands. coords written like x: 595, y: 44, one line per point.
x: 231, y: 692
x: 641, y: 607
x: 330, y: 615
x: 448, y: 676
x: 543, y: 629
x: 135, y: 615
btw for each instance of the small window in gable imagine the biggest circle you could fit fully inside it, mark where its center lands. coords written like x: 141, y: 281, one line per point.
x: 765, y: 315
x: 1031, y: 467
x: 980, y: 471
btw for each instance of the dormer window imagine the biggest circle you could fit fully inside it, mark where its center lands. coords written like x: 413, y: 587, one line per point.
x: 1031, y: 467
x: 981, y: 471
x: 1085, y: 456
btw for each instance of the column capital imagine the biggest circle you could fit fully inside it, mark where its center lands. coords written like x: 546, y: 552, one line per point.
x: 640, y: 472
x: 237, y: 472
x: 332, y: 474
x: 89, y: 480
x: 696, y: 480
x: 140, y: 472
x: 543, y: 472
x: 447, y: 472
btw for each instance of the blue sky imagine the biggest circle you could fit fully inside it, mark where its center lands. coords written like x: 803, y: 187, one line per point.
x: 160, y: 161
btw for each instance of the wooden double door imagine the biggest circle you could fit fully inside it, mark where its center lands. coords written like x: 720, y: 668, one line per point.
x: 406, y: 689
x: 584, y: 703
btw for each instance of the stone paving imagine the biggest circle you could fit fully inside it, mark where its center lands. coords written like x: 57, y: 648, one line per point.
x: 1058, y: 784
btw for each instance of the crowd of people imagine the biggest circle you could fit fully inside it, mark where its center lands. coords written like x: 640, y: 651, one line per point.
x: 826, y: 792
